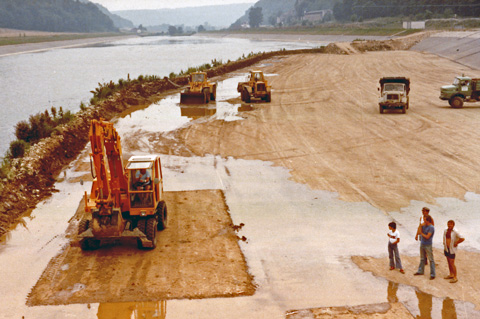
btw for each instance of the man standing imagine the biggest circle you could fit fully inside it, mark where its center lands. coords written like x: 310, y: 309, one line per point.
x: 426, y: 241
x: 451, y: 239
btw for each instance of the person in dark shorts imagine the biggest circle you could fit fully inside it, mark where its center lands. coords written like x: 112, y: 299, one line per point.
x: 451, y: 239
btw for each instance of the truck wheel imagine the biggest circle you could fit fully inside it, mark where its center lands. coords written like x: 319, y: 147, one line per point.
x: 152, y: 231
x: 404, y: 109
x: 456, y: 102
x: 162, y: 216
x: 381, y: 109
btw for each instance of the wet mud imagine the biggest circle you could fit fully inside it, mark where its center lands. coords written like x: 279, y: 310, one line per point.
x: 197, y: 256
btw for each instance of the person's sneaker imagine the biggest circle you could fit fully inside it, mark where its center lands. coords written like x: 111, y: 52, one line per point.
x: 392, y: 268
x: 454, y: 280
x: 432, y: 277
x: 402, y: 271
x: 417, y: 274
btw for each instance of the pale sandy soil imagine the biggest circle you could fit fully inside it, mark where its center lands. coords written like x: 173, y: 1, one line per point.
x: 323, y: 125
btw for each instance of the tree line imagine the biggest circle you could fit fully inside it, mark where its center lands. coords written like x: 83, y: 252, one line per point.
x: 54, y: 16
x: 367, y: 9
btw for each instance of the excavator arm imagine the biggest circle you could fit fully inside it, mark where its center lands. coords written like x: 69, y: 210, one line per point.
x: 111, y: 180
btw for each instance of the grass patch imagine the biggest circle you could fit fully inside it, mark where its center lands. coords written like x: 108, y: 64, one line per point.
x: 54, y: 37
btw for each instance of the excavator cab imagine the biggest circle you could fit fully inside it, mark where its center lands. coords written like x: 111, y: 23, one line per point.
x: 144, y: 182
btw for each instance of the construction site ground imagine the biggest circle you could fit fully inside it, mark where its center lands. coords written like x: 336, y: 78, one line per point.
x: 315, y: 177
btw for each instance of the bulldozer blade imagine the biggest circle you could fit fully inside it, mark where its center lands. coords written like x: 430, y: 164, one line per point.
x: 192, y: 99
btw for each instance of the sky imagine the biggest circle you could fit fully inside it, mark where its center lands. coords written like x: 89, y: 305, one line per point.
x: 115, y: 5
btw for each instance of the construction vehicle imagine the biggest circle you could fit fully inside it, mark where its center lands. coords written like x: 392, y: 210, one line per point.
x: 126, y: 201
x: 199, y: 90
x: 463, y: 89
x: 255, y: 88
x: 394, y: 94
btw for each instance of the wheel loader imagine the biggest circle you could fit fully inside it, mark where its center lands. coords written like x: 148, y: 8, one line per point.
x: 126, y: 200
x: 199, y: 90
x: 255, y: 88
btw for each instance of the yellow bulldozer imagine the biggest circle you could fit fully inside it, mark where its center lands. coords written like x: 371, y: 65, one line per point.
x: 255, y: 88
x: 199, y: 90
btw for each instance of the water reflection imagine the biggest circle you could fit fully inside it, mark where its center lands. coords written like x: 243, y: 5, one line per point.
x: 133, y: 310
x: 425, y: 303
x: 197, y: 112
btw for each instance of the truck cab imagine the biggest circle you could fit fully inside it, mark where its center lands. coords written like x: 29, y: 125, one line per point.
x: 394, y: 93
x: 463, y: 89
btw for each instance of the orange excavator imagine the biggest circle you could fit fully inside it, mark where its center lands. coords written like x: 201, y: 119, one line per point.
x: 126, y: 201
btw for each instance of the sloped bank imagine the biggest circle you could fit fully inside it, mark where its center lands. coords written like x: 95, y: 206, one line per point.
x: 36, y: 173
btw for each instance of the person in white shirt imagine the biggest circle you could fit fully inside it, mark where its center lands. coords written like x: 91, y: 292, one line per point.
x: 393, y: 254
x: 451, y: 239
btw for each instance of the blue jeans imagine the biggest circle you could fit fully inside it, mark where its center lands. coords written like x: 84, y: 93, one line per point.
x: 394, y: 256
x: 426, y: 250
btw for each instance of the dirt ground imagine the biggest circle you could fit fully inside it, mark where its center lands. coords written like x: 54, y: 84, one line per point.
x: 197, y: 256
x: 323, y: 124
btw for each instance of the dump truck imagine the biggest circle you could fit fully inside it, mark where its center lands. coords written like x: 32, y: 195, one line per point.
x: 394, y: 94
x: 255, y: 88
x: 199, y: 90
x: 463, y: 89
x: 126, y: 201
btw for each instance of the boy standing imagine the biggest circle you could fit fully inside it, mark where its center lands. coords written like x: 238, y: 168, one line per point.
x: 393, y: 255
x: 451, y: 239
x: 426, y: 247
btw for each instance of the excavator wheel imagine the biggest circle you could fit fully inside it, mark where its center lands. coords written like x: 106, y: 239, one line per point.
x: 162, y: 216
x: 141, y: 225
x: 152, y: 231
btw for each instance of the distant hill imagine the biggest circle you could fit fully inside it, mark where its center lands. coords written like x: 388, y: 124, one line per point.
x: 117, y: 20
x: 54, y: 16
x: 271, y: 9
x: 219, y: 16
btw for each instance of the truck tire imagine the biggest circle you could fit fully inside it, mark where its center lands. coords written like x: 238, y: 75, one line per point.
x: 151, y: 231
x: 456, y: 102
x: 162, y: 217
x: 404, y: 109
x: 381, y: 109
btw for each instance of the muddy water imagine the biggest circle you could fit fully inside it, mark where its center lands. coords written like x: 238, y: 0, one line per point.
x: 34, y: 82
x: 298, y: 247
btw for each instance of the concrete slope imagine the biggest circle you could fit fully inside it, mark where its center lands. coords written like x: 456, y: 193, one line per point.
x: 462, y: 47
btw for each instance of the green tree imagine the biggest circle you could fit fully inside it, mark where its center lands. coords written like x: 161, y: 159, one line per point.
x: 255, y: 17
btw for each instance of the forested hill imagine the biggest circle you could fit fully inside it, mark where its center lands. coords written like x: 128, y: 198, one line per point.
x: 53, y: 16
x: 366, y: 9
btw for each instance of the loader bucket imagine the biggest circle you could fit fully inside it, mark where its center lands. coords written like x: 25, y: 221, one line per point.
x: 193, y: 98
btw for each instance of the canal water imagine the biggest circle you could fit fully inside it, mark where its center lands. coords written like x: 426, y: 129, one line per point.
x: 63, y: 77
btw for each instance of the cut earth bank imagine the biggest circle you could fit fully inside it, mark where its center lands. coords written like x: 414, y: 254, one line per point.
x: 323, y: 125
